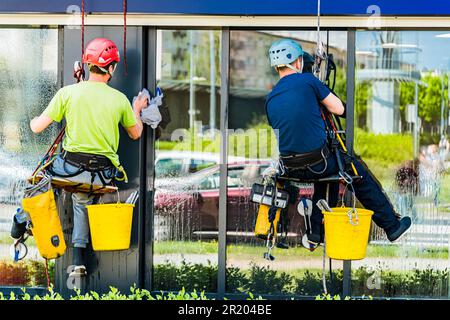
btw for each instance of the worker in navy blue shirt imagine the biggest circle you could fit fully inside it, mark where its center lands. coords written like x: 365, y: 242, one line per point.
x: 293, y: 110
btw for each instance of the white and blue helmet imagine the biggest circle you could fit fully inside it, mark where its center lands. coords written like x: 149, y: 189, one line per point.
x: 283, y: 52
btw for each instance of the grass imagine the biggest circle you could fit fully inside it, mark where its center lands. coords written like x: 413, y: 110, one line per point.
x: 6, y: 239
x: 245, y: 251
x: 189, y: 247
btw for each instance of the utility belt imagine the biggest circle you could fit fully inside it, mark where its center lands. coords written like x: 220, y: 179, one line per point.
x: 87, y: 161
x: 302, y: 161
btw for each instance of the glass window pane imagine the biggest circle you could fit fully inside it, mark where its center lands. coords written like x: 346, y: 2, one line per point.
x: 28, y: 80
x: 187, y: 170
x: 252, y: 148
x: 402, y: 134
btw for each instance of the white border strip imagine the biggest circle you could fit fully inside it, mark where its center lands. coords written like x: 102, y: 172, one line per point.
x: 226, y: 21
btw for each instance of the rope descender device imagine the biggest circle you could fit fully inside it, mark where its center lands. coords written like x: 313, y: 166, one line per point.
x: 270, y: 243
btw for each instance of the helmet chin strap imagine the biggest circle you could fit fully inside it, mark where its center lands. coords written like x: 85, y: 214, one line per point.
x: 107, y: 71
x: 294, y: 68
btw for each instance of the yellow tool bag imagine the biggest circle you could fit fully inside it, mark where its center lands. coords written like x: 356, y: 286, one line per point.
x: 39, y: 202
x: 269, y: 199
x: 263, y: 224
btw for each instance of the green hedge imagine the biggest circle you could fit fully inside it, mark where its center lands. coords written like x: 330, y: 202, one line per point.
x: 383, y: 153
x: 385, y: 149
x: 256, y: 142
x: 113, y: 294
x: 264, y: 280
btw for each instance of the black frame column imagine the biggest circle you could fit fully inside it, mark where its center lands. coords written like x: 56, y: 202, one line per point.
x: 350, y: 132
x: 148, y: 162
x: 224, y: 101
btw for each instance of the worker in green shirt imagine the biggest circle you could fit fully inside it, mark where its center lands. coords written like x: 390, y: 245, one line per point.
x: 93, y: 111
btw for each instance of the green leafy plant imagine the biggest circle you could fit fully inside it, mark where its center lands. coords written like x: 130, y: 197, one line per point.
x: 265, y: 280
x: 115, y: 294
x: 191, y: 276
x: 324, y: 296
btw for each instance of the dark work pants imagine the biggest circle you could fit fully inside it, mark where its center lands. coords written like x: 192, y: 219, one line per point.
x: 368, y: 191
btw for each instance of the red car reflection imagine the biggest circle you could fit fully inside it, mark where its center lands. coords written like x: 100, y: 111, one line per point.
x: 188, y: 207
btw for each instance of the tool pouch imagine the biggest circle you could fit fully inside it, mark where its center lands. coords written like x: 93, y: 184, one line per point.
x: 39, y: 202
x: 264, y: 195
x: 263, y: 223
x: 271, y: 201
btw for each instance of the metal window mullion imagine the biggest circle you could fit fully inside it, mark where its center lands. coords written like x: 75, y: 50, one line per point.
x: 350, y: 133
x: 148, y: 164
x: 224, y: 101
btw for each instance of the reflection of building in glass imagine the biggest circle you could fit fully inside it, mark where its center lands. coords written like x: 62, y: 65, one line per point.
x: 249, y: 60
x: 385, y: 66
x: 185, y: 74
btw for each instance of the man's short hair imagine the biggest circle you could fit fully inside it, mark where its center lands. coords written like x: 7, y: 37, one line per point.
x: 97, y: 70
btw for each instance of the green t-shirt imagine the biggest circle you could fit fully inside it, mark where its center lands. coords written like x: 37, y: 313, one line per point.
x: 93, y: 111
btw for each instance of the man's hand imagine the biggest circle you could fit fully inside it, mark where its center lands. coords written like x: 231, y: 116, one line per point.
x: 39, y: 124
x: 140, y: 103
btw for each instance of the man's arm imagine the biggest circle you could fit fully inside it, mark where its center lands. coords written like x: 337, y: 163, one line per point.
x: 135, y: 131
x: 333, y: 104
x: 39, y: 124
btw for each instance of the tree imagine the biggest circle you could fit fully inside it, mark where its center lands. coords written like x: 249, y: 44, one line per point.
x: 429, y: 98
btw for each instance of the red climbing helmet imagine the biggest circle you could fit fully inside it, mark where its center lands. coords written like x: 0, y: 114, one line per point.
x: 101, y: 52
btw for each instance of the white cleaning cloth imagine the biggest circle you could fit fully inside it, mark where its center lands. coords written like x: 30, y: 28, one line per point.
x: 151, y: 114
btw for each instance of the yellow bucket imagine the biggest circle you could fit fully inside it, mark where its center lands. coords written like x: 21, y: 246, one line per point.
x: 110, y: 225
x: 347, y: 233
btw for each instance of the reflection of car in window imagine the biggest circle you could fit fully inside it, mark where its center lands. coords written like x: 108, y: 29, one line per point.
x: 168, y: 167
x: 188, y: 206
x: 182, y: 163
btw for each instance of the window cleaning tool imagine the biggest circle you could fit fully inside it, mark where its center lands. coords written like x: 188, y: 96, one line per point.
x: 323, y: 205
x: 133, y: 197
x: 151, y: 115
